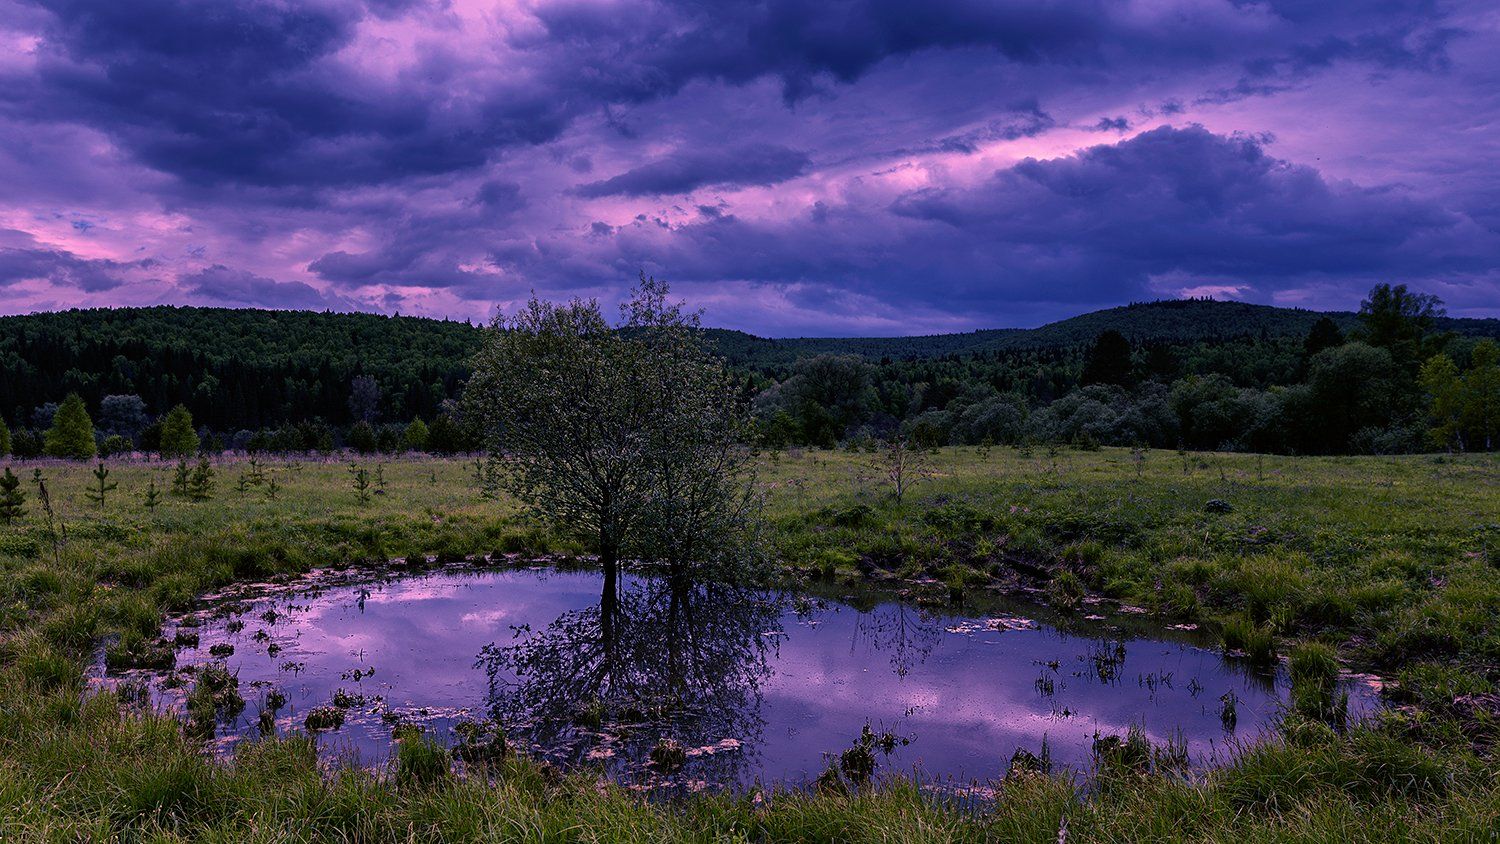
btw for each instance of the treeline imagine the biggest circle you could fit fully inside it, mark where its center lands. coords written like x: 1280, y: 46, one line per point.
x: 233, y: 369
x: 1397, y: 381
x: 1399, y: 376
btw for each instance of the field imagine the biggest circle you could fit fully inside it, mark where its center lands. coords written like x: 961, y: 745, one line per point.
x: 1391, y: 562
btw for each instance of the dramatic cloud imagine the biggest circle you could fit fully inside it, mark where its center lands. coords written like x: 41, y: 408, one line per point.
x: 222, y: 285
x: 796, y: 167
x: 692, y: 169
x: 63, y: 269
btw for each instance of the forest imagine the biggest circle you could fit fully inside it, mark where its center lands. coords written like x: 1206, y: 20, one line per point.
x: 1399, y: 376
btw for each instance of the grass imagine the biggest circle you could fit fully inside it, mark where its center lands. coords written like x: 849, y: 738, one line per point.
x: 1382, y: 563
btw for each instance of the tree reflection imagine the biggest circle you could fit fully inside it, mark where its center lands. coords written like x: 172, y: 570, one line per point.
x: 906, y: 634
x: 656, y: 658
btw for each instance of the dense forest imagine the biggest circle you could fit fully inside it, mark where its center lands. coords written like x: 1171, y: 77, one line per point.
x: 1398, y: 376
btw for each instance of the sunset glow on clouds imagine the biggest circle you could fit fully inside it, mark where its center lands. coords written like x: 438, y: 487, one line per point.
x: 846, y: 167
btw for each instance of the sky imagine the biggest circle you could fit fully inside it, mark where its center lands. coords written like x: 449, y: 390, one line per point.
x: 825, y: 167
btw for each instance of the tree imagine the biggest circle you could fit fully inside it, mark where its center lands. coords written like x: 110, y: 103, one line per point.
x: 12, y: 499
x: 360, y: 477
x: 1401, y: 322
x: 1325, y: 334
x: 123, y: 416
x: 362, y: 438
x: 4, y: 438
x: 200, y: 485
x: 178, y: 439
x: 415, y: 435
x: 826, y: 395
x: 72, y: 433
x: 626, y: 438
x: 364, y: 399
x: 1351, y: 387
x: 1445, y: 390
x: 114, y: 444
x: 1108, y: 360
x: 903, y: 466
x: 1481, y: 396
x: 102, y: 485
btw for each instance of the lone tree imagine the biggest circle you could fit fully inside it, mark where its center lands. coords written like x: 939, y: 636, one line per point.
x: 629, y: 437
x: 72, y: 431
x: 178, y: 439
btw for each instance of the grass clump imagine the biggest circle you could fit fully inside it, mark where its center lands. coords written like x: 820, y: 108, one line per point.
x: 420, y: 761
x: 1255, y: 641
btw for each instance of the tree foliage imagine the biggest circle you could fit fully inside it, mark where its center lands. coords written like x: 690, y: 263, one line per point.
x: 72, y: 432
x: 628, y: 438
x: 178, y: 439
x: 1108, y: 360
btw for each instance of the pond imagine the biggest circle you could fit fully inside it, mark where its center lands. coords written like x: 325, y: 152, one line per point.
x: 755, y: 687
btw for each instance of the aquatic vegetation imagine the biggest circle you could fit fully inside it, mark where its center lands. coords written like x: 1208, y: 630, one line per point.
x: 324, y: 718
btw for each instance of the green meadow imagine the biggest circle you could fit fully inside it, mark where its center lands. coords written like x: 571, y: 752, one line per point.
x: 1391, y: 565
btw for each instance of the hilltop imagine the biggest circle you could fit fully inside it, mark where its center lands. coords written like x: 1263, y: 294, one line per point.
x: 245, y: 368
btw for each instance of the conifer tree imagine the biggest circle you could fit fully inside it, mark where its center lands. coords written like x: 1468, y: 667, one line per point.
x: 72, y: 432
x: 1108, y: 361
x: 102, y: 485
x: 153, y: 496
x: 180, y: 478
x: 4, y: 438
x: 200, y: 486
x: 12, y: 499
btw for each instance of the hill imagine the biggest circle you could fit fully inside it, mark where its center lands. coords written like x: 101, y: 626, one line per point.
x: 244, y: 369
x: 1173, y: 321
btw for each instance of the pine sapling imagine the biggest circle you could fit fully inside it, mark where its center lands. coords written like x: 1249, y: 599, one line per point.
x: 361, y: 478
x: 181, y: 478
x: 12, y: 499
x: 200, y: 486
x: 153, y: 496
x: 102, y: 485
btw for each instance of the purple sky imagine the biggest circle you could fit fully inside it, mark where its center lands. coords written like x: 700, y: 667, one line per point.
x: 820, y: 167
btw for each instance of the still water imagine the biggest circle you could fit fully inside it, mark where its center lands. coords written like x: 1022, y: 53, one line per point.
x: 756, y: 687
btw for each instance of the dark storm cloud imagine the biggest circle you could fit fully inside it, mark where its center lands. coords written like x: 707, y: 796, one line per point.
x: 222, y: 285
x: 1103, y: 225
x: 237, y: 91
x: 761, y: 164
x: 243, y: 91
x: 63, y: 268
x: 343, y: 153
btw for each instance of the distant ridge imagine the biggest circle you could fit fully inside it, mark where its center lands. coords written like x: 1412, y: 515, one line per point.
x: 377, y: 341
x: 1165, y: 321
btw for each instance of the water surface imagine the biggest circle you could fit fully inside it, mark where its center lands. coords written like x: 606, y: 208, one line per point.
x: 756, y: 687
